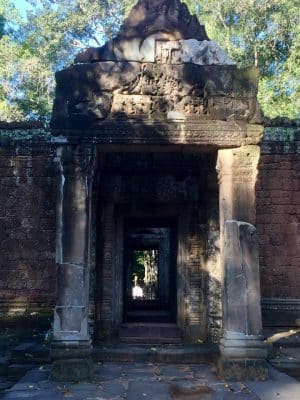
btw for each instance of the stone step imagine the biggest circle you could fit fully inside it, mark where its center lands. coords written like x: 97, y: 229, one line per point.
x: 28, y: 353
x: 150, y: 340
x: 157, y: 354
x: 17, y: 371
x: 150, y: 333
x: 150, y: 325
x: 288, y: 361
x: 159, y: 316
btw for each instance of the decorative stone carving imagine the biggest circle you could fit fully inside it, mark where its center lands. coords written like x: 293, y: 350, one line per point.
x: 164, y: 80
x: 190, y: 105
x: 226, y: 108
x: 162, y: 48
x: 97, y: 108
x: 87, y: 94
x: 168, y: 52
x: 131, y: 105
x: 84, y: 92
x: 85, y: 81
x: 193, y: 51
x: 171, y: 106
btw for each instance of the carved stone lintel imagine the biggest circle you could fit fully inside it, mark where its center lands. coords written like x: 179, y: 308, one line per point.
x: 90, y: 93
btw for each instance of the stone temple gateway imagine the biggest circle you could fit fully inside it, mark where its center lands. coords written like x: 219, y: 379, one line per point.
x: 158, y: 140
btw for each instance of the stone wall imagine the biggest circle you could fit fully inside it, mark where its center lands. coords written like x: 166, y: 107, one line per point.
x: 278, y: 224
x: 27, y: 222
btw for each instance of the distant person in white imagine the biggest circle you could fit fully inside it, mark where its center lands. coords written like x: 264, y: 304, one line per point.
x: 137, y: 291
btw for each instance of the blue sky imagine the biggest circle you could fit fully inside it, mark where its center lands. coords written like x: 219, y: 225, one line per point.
x: 21, y: 5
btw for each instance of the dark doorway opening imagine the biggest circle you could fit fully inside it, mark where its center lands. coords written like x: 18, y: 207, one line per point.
x: 149, y: 271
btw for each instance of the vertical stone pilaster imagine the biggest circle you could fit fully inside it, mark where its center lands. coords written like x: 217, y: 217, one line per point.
x: 71, y: 344
x: 242, y: 309
x: 243, y: 351
x: 237, y: 173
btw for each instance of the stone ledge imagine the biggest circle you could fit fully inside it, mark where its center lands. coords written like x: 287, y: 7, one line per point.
x: 199, y: 132
x: 280, y: 312
x: 243, y: 370
x: 281, y: 140
x: 72, y: 370
x: 63, y: 350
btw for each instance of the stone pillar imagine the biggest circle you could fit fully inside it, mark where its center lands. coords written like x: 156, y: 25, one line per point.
x: 237, y: 172
x: 243, y: 351
x: 71, y: 345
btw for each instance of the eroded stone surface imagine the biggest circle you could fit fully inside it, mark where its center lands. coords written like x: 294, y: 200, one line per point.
x: 70, y: 330
x: 242, y: 311
x: 148, y: 18
x: 161, y: 64
x: 243, y: 351
x: 89, y: 93
x: 205, y: 52
x: 158, y: 386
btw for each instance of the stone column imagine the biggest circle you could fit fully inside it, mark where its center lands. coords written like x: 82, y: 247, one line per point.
x: 243, y: 351
x: 71, y: 345
x: 237, y: 172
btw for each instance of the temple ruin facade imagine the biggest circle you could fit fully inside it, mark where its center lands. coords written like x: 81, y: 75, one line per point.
x: 157, y: 151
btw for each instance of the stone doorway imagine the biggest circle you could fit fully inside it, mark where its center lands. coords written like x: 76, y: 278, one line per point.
x: 167, y: 203
x: 145, y: 120
x: 149, y: 271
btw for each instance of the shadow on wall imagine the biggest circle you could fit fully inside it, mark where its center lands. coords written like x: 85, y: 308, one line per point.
x: 277, y: 194
x: 27, y: 229
x: 112, y: 187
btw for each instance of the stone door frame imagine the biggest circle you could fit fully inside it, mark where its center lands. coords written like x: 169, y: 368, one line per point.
x: 201, y: 328
x: 177, y: 219
x: 237, y: 171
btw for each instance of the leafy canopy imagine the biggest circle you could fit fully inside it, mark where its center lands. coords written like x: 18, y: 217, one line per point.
x: 263, y: 33
x: 32, y: 49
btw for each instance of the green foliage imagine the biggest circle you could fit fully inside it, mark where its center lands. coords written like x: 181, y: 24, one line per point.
x: 26, y: 83
x: 32, y: 50
x: 280, y: 94
x: 58, y: 31
x: 138, y: 267
x: 263, y: 33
